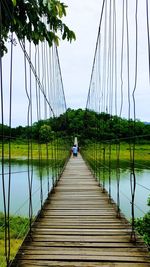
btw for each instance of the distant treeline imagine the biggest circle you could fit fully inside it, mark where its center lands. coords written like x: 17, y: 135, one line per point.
x: 86, y: 125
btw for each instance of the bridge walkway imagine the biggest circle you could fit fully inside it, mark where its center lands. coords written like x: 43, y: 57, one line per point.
x: 78, y: 227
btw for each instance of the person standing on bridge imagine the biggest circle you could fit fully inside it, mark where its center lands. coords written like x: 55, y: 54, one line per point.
x: 75, y: 151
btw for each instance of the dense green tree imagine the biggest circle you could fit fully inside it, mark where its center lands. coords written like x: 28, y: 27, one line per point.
x: 37, y: 20
x: 46, y: 134
x: 86, y: 126
x: 4, y: 132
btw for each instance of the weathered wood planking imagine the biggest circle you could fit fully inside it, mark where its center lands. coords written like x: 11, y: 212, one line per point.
x: 78, y: 227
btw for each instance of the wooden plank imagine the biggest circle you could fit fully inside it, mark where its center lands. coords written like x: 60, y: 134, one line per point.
x: 80, y: 244
x: 81, y: 232
x: 67, y: 250
x: 84, y: 252
x: 71, y: 225
x: 86, y: 238
x: 102, y: 258
x: 78, y: 228
x: 82, y: 220
x: 33, y: 263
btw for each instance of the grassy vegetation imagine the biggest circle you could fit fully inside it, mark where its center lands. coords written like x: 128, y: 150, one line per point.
x: 18, y: 229
x: 96, y: 151
x: 15, y: 244
x: 19, y: 150
x: 18, y: 226
x: 143, y: 227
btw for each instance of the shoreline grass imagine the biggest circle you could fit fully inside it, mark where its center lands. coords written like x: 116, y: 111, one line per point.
x: 18, y: 229
x: 96, y: 151
x: 15, y: 244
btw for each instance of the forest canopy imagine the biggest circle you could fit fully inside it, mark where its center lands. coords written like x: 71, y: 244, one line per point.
x: 86, y: 125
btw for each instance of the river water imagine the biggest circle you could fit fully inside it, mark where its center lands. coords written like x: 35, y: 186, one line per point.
x: 19, y: 194
x: 142, y: 191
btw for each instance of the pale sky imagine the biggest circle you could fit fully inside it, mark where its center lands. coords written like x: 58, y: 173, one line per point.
x: 76, y: 60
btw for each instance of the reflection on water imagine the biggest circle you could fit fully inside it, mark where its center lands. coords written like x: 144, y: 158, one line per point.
x: 142, y: 193
x: 20, y: 194
x: 19, y: 185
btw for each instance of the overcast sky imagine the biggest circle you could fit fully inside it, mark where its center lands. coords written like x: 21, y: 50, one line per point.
x: 76, y: 60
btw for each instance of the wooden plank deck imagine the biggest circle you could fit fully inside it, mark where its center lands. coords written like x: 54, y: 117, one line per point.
x: 78, y: 227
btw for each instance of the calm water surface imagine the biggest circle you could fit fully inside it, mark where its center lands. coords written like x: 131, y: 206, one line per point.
x: 20, y: 195
x: 19, y: 187
x: 141, y: 194
x: 122, y: 176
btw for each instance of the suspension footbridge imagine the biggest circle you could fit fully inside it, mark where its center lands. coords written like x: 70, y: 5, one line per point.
x: 71, y: 217
x: 78, y: 226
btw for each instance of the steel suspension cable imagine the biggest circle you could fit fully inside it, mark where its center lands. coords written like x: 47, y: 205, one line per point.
x: 133, y: 176
x: 2, y: 154
x: 35, y: 74
x: 10, y: 123
x: 99, y: 30
x: 114, y: 74
x: 122, y: 51
x: 148, y: 34
x: 30, y: 181
x: 28, y: 94
x: 128, y: 61
x: 6, y: 191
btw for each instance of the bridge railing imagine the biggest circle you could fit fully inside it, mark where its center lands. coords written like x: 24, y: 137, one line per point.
x: 116, y: 88
x: 31, y: 74
x: 126, y: 184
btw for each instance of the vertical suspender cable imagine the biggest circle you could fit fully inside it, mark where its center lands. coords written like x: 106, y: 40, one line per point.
x: 10, y: 118
x: 40, y: 117
x: 47, y: 145
x: 88, y: 103
x: 98, y: 115
x: 114, y: 83
x: 2, y: 137
x: 128, y: 62
x: 31, y: 145
x: 96, y: 50
x: 133, y: 182
x: 104, y: 61
x: 38, y: 105
x: 109, y: 97
x: 120, y: 113
x: 55, y: 108
x: 108, y: 61
x: 36, y: 84
x: 51, y: 99
x: 148, y: 33
x: 122, y: 51
x: 39, y: 75
x: 28, y: 114
x: 115, y: 56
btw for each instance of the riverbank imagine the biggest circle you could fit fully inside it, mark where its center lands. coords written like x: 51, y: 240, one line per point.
x: 18, y: 228
x: 112, y: 152
x: 14, y: 244
x: 21, y: 150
